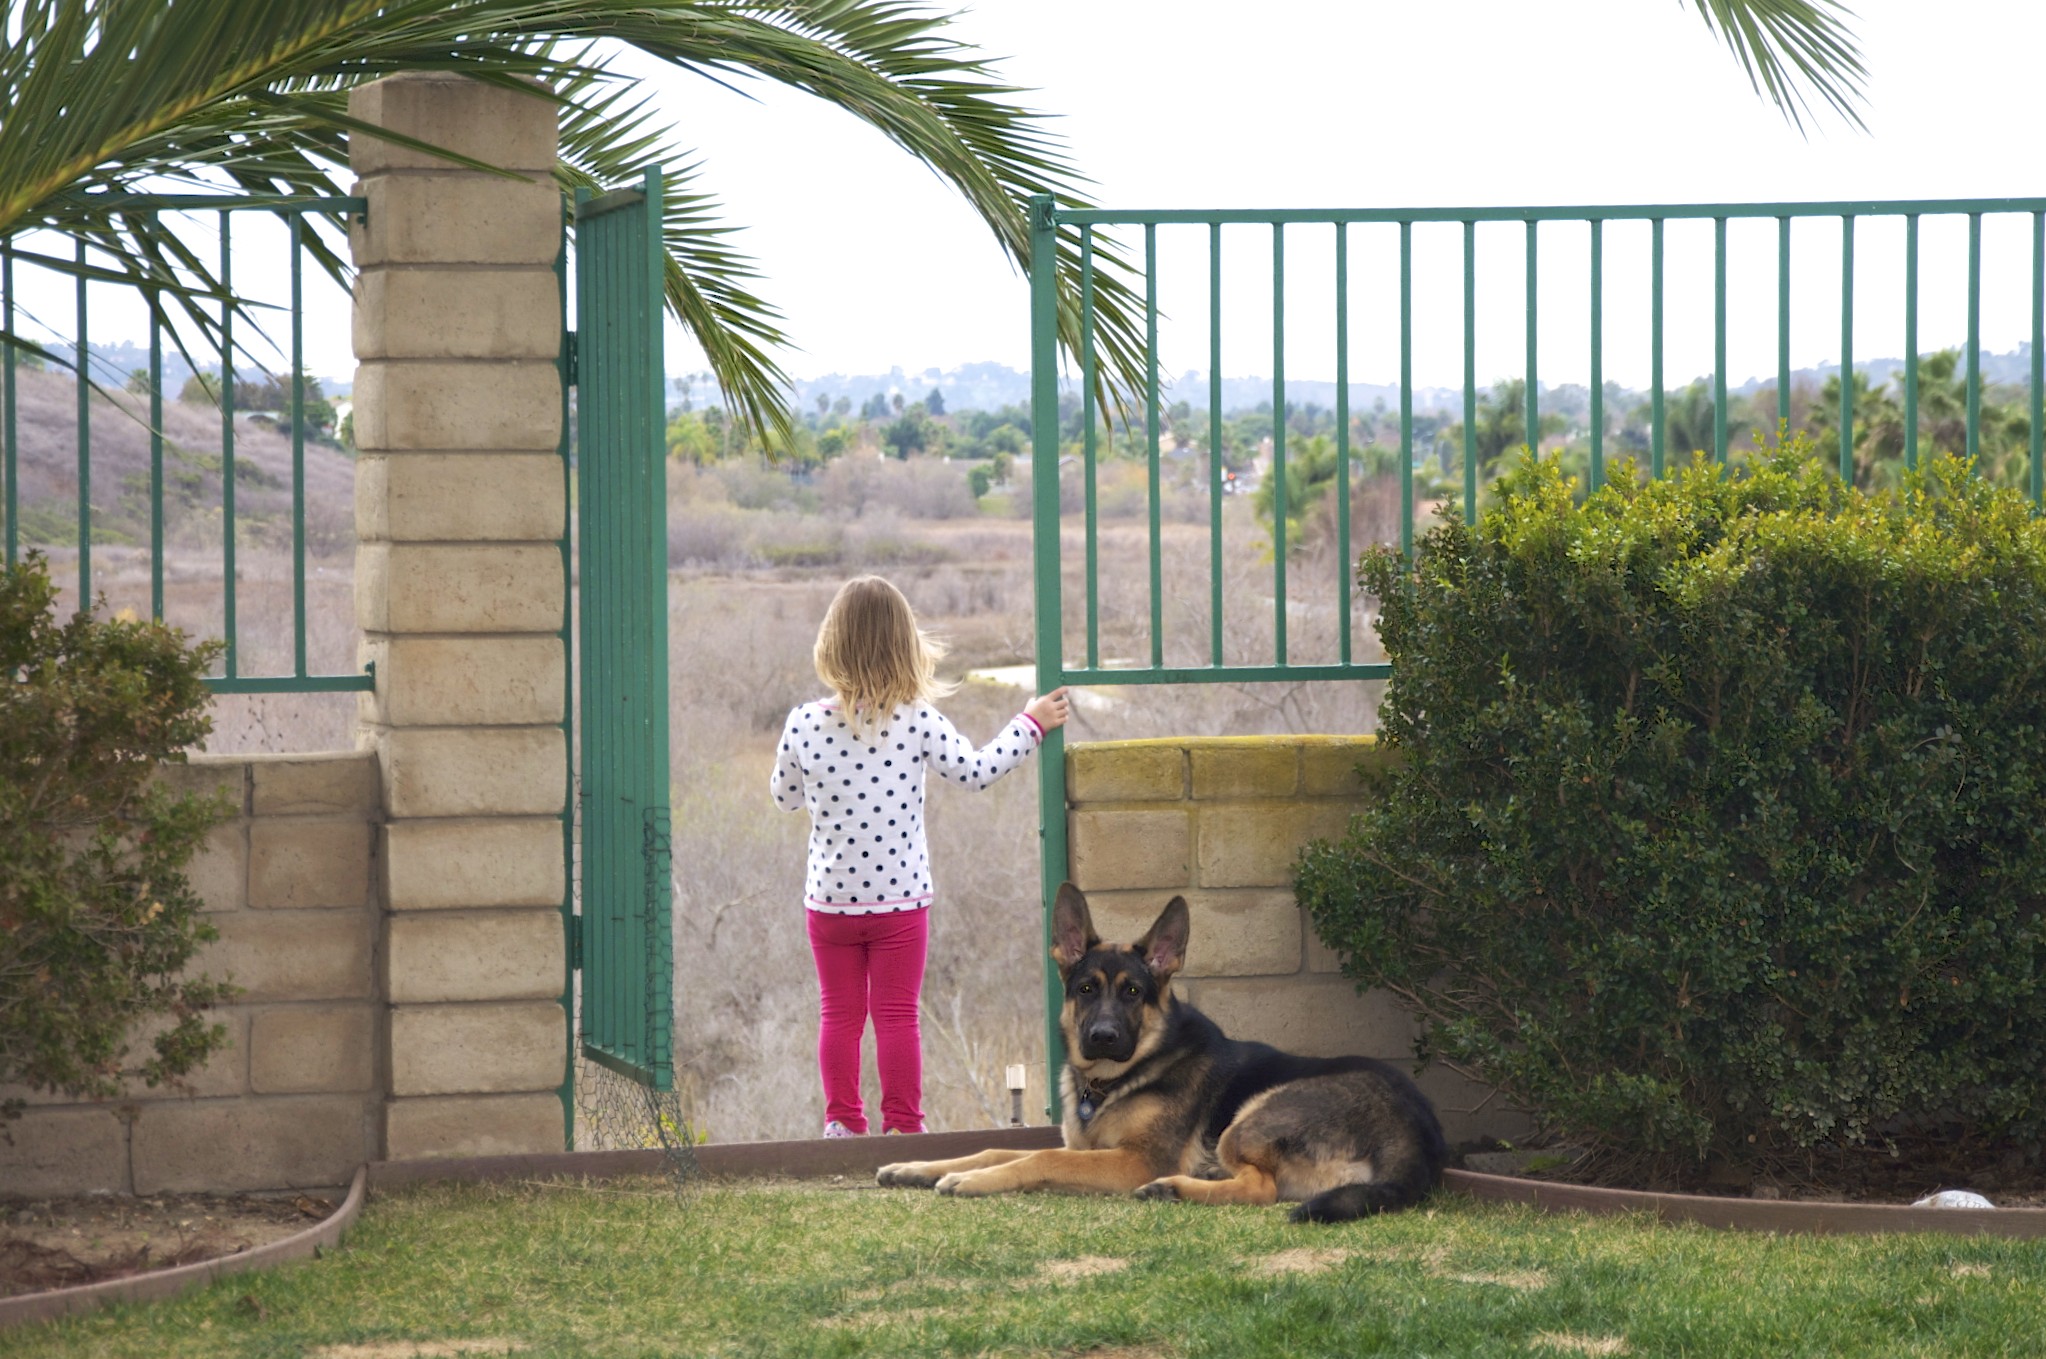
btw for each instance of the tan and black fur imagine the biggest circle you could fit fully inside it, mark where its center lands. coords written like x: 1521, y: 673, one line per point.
x: 1160, y: 1103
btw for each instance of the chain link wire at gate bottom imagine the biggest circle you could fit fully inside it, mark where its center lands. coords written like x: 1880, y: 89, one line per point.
x: 614, y: 1112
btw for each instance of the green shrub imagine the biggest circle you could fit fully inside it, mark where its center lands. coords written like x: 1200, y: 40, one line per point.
x: 1721, y: 823
x: 96, y: 918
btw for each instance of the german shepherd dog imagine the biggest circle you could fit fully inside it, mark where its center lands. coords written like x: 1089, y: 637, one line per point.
x: 1158, y: 1102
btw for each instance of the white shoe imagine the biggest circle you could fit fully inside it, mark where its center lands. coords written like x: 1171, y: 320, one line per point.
x: 836, y: 1129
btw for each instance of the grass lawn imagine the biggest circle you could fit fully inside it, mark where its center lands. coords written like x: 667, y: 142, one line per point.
x: 840, y: 1268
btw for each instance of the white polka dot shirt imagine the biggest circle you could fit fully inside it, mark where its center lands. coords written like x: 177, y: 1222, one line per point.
x: 865, y: 797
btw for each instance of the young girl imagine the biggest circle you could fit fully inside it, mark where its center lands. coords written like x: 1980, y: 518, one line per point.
x: 856, y: 761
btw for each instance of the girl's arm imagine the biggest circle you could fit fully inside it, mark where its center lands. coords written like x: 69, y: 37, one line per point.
x: 787, y: 785
x: 951, y: 756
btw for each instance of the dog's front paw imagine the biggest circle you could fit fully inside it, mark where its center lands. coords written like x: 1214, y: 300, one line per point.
x: 966, y: 1184
x: 907, y: 1175
x: 1157, y: 1189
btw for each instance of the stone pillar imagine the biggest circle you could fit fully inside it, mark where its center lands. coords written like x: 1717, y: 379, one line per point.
x: 460, y: 593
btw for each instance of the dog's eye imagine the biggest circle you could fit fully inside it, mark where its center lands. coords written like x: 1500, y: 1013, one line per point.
x: 1085, y: 988
x: 1131, y: 991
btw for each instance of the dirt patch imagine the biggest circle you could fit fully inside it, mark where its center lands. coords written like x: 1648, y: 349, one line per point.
x: 65, y: 1242
x: 1301, y: 1260
x: 415, y: 1349
x: 1579, y: 1344
x: 1085, y: 1267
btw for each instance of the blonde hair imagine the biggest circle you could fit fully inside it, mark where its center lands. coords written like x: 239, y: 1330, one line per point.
x: 872, y: 654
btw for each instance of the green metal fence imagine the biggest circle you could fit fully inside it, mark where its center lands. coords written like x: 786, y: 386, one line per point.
x: 1331, y: 231
x: 188, y: 316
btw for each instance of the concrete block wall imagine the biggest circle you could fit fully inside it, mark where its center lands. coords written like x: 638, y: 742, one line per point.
x: 460, y: 509
x: 1221, y: 821
x: 295, y: 1100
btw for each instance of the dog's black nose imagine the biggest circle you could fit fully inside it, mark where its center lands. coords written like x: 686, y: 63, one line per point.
x: 1103, y: 1035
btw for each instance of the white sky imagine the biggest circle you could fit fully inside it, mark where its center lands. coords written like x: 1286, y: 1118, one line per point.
x: 1345, y: 103
x: 1370, y: 103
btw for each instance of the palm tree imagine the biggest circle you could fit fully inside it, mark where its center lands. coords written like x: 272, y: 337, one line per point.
x: 105, y: 98
x: 102, y: 98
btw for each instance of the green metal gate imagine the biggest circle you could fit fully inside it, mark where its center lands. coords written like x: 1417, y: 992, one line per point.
x: 621, y: 940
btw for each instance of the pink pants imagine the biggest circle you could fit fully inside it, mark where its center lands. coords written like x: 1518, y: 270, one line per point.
x: 871, y: 964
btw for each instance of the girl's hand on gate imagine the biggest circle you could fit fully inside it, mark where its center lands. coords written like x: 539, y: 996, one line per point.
x: 1049, y: 710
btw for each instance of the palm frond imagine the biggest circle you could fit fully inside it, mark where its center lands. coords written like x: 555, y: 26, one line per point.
x: 1811, y: 36
x: 100, y: 98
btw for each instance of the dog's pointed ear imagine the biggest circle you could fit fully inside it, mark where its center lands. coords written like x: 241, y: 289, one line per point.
x: 1072, y: 928
x: 1164, y: 945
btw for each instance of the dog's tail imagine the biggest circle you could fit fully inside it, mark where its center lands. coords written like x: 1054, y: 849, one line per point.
x: 1347, y: 1202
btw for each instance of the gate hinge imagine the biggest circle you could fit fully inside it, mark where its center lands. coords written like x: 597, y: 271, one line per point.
x: 569, y: 364
x: 575, y: 942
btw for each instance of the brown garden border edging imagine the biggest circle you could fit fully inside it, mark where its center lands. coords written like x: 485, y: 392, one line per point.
x: 1754, y: 1215
x: 164, y: 1283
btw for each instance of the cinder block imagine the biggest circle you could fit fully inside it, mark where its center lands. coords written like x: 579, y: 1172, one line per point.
x: 421, y: 587
x: 226, y: 1072
x: 224, y: 775
x: 1256, y: 844
x: 458, y: 218
x: 498, y: 126
x: 438, y: 864
x: 473, y: 771
x: 1120, y: 848
x: 1244, y: 767
x: 1316, y: 1017
x: 1468, y: 1109
x: 1233, y: 933
x: 219, y: 871
x: 473, y: 1125
x: 421, y: 406
x: 339, y: 784
x: 411, y: 312
x: 301, y: 862
x: 291, y: 955
x: 65, y: 1151
x: 484, y: 955
x: 1330, y: 765
x: 459, y: 497
x: 477, y: 1049
x: 312, y: 1049
x: 275, y: 1143
x: 1125, y: 771
x: 477, y: 681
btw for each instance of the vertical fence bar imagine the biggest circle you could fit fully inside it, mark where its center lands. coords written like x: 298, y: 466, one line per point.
x: 1343, y: 441
x: 1214, y: 442
x: 1534, y: 414
x: 1847, y: 349
x: 9, y: 472
x: 1470, y: 376
x: 1407, y: 390
x: 1911, y: 340
x: 1719, y: 339
x: 570, y: 938
x: 1598, y: 382
x: 2038, y: 354
x: 155, y: 454
x: 1782, y: 324
x: 227, y: 548
x: 297, y: 451
x: 1089, y: 418
x: 1974, y: 335
x: 1151, y: 440
x: 1655, y: 446
x: 1279, y: 443
x: 83, y: 355
x: 1044, y: 481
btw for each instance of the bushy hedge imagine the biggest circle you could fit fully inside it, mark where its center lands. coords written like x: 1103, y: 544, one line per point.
x: 97, y: 920
x: 1721, y: 826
